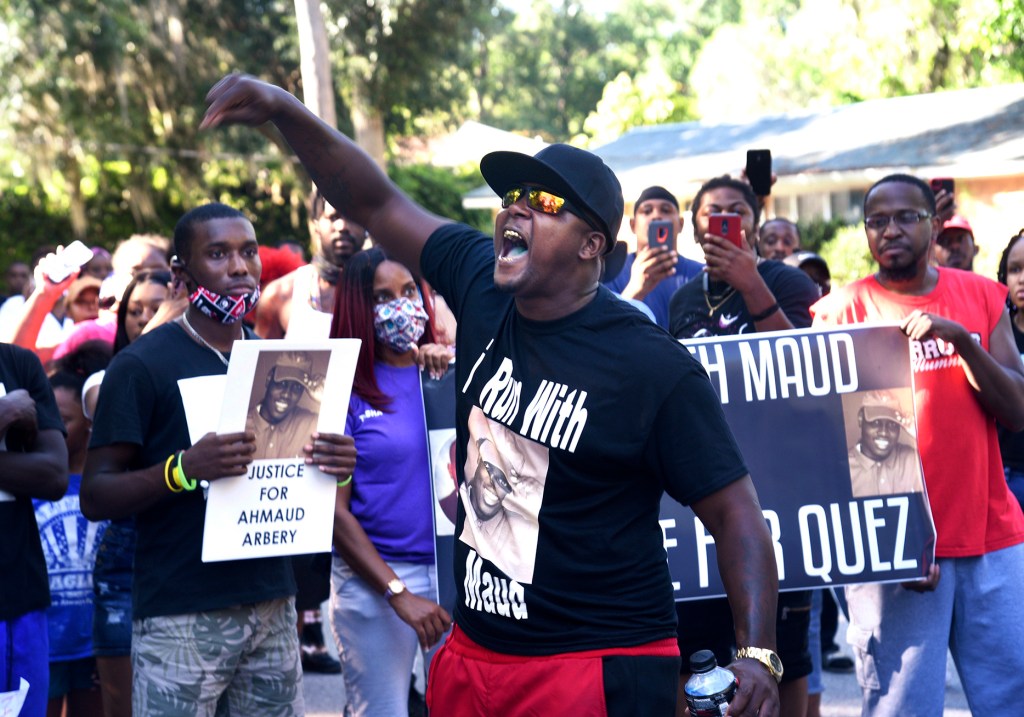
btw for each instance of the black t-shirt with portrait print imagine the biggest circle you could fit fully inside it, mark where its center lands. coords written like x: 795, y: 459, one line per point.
x: 140, y: 404
x: 579, y: 425
x: 24, y: 586
x: 694, y: 314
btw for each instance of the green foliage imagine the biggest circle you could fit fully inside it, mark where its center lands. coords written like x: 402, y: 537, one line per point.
x: 440, y: 191
x: 788, y: 55
x: 848, y: 256
x: 816, y: 233
x: 28, y: 222
x: 99, y: 121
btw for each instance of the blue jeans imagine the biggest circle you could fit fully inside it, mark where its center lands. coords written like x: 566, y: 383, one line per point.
x: 377, y: 649
x: 112, y: 591
x: 899, y: 637
x: 815, y: 684
x: 25, y: 653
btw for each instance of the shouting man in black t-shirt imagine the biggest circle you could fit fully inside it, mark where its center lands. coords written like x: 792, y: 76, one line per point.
x: 583, y: 621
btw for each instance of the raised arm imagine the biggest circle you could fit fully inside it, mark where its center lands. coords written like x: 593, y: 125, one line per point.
x: 349, y: 179
x: 747, y: 566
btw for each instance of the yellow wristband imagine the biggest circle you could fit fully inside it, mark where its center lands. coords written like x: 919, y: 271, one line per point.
x: 344, y: 482
x: 179, y: 473
x: 167, y: 475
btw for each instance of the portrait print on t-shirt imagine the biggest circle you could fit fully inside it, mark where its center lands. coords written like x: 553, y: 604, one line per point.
x: 284, y: 403
x: 502, y: 495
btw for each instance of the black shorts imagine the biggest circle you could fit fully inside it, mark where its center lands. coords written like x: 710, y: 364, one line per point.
x: 707, y: 625
x: 313, y: 579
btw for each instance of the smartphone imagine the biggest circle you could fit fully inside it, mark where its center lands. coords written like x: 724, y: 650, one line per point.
x: 59, y: 267
x: 759, y: 171
x: 726, y: 225
x: 659, y: 233
x: 942, y: 183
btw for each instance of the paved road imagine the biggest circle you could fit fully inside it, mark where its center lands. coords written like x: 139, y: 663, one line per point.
x: 325, y: 694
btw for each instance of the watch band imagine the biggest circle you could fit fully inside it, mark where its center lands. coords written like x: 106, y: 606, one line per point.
x: 766, y: 657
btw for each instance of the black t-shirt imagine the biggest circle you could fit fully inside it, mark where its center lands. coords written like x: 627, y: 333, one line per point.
x: 1011, y: 444
x: 690, y: 315
x: 140, y: 404
x: 578, y: 425
x: 24, y: 586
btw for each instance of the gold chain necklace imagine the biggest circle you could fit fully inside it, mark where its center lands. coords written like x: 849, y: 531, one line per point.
x: 713, y: 308
x: 195, y: 335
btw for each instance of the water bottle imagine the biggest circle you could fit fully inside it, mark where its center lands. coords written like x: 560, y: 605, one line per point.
x: 710, y: 688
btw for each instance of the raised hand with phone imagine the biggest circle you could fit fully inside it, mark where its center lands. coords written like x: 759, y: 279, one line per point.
x: 740, y: 292
x: 945, y: 200
x: 40, y: 327
x: 655, y: 271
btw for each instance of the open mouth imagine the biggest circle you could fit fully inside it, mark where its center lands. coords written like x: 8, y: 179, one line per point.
x: 513, y: 245
x: 881, y: 444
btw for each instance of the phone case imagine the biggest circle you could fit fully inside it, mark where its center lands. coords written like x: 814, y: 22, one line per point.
x: 659, y: 233
x: 60, y: 266
x: 759, y: 171
x: 726, y: 225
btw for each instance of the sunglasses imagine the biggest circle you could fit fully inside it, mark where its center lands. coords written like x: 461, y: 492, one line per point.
x: 541, y: 200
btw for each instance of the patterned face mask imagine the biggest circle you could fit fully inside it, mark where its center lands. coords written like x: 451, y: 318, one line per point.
x: 400, y: 323
x: 226, y: 308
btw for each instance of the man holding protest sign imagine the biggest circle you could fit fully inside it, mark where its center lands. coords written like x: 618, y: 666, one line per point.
x: 967, y: 372
x: 203, y: 633
x: 594, y: 630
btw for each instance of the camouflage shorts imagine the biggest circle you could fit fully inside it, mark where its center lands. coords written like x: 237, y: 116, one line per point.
x: 242, y: 660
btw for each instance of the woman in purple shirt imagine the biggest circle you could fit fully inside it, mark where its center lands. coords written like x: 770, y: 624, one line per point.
x: 383, y: 581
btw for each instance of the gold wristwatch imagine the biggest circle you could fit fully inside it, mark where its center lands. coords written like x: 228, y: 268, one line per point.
x: 394, y: 587
x: 766, y: 657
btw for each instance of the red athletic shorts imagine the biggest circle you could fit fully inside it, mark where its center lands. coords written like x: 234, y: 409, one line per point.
x: 469, y: 680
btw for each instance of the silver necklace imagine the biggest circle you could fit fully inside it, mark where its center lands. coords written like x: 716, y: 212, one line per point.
x: 201, y: 340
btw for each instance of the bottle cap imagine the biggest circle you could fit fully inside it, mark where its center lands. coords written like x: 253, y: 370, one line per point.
x: 703, y: 661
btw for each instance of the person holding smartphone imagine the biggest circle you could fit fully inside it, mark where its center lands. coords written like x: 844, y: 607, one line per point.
x: 741, y: 292
x: 653, y: 273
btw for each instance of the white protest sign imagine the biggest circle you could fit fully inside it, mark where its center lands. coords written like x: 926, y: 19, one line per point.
x: 11, y: 702
x: 282, y: 391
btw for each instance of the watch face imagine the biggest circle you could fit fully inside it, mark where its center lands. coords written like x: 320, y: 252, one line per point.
x: 776, y: 662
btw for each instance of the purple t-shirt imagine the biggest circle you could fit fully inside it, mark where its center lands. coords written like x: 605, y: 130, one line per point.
x: 391, y: 484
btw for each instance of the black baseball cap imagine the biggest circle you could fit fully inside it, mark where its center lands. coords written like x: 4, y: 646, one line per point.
x: 576, y: 174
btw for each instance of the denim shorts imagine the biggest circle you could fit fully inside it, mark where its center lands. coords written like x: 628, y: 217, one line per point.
x: 112, y: 591
x: 73, y: 676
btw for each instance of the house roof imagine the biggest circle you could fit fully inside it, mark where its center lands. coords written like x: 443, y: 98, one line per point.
x: 473, y: 140
x: 962, y: 133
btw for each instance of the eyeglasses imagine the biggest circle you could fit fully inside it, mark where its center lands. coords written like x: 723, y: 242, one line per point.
x: 905, y: 219
x: 541, y: 200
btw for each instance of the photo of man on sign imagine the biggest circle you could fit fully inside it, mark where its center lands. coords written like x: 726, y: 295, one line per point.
x: 278, y: 413
x: 883, y: 461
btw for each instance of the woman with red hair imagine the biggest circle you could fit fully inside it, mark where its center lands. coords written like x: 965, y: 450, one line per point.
x: 383, y: 581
